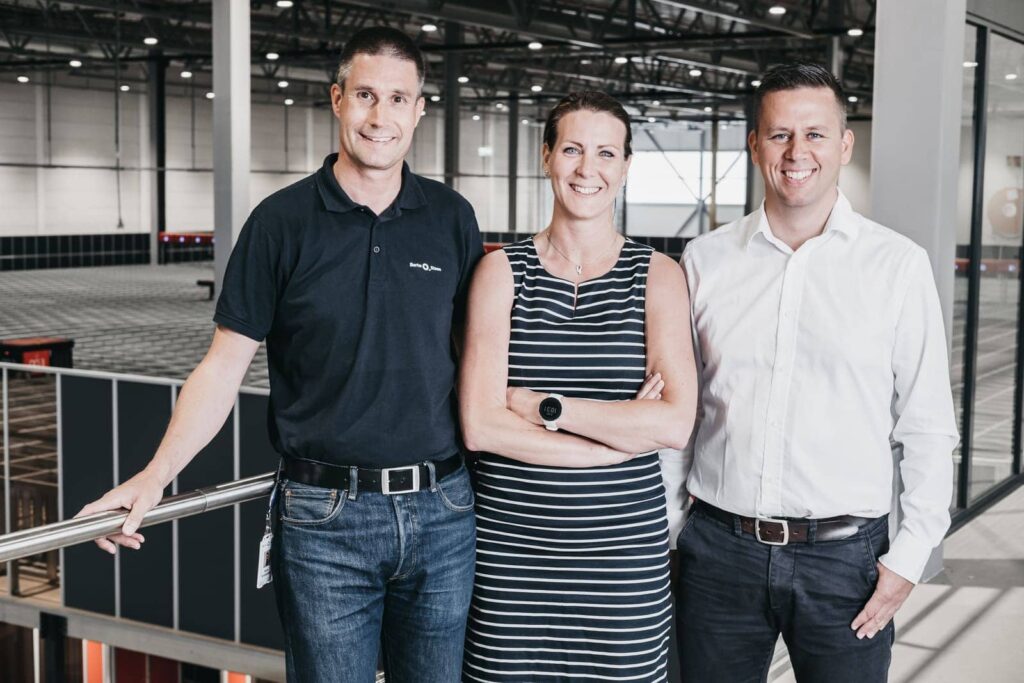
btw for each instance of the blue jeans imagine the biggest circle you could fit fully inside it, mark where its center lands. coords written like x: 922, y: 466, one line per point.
x: 355, y: 571
x: 736, y: 595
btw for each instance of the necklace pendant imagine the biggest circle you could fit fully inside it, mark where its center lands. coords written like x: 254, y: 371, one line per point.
x: 579, y: 270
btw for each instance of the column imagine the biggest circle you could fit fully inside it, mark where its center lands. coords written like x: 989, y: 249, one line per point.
x: 915, y: 133
x: 231, y: 126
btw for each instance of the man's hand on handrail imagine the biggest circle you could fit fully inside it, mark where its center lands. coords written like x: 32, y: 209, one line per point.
x: 138, y: 495
x: 205, y: 401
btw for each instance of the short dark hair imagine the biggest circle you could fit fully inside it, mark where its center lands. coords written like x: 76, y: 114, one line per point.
x: 380, y: 40
x: 798, y: 75
x: 589, y: 100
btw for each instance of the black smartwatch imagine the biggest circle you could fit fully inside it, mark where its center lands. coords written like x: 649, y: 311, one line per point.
x: 550, y: 411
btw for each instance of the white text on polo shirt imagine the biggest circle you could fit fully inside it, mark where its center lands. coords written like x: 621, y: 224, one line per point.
x: 426, y: 267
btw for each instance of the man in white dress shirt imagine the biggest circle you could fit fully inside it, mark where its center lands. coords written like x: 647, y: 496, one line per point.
x: 821, y: 348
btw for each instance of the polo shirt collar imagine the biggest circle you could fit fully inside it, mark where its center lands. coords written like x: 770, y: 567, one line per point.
x: 843, y: 220
x: 336, y: 200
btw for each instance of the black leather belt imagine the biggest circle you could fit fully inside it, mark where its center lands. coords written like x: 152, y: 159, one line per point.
x: 389, y: 480
x: 773, y: 531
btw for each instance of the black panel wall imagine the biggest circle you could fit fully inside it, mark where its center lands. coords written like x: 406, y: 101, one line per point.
x: 206, y: 559
x: 143, y: 411
x: 260, y: 623
x: 88, y: 472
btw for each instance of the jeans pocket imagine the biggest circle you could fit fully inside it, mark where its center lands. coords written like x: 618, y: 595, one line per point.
x: 870, y: 557
x: 456, y: 491
x: 686, y: 526
x: 310, y: 505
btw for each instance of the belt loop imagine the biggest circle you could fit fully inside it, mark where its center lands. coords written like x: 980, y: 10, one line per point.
x: 433, y: 476
x: 812, y: 530
x: 353, y: 482
x: 737, y: 525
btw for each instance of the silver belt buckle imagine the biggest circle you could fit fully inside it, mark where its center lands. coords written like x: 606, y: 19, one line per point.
x: 385, y: 479
x: 785, y: 530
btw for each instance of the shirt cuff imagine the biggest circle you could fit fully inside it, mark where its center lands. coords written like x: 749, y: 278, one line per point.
x: 672, y: 474
x: 907, y: 556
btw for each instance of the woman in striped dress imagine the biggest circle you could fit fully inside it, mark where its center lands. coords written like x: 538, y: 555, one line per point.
x: 572, y: 576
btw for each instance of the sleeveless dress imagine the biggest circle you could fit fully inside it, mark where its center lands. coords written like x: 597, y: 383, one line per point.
x: 572, y: 573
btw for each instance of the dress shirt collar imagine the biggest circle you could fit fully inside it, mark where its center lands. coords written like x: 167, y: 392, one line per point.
x: 842, y: 220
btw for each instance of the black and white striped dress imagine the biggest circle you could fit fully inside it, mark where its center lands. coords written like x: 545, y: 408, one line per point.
x: 572, y: 574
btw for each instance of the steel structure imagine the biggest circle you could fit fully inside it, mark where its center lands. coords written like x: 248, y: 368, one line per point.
x: 684, y: 55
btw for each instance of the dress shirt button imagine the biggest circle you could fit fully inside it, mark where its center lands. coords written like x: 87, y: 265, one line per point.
x: 376, y: 249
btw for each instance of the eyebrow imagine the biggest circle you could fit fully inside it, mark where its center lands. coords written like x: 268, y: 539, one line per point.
x: 786, y: 129
x: 580, y: 144
x: 396, y: 91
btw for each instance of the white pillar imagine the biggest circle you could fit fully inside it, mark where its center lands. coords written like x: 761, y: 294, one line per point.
x: 915, y: 134
x: 231, y: 126
x: 312, y: 163
x: 42, y: 157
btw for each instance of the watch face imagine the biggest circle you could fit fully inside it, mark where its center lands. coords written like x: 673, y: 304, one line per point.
x: 550, y: 409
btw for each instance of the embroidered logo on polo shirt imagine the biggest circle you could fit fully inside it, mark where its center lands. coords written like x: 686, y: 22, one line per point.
x: 426, y: 267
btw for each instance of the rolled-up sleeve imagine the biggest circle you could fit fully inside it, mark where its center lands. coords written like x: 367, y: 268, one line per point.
x: 925, y: 424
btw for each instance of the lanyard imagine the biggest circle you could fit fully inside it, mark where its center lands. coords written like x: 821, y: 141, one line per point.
x: 273, y: 495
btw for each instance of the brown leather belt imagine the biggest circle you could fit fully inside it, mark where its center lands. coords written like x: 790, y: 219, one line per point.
x: 774, y: 531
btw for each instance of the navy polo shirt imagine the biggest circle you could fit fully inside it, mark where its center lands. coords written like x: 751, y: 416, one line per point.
x: 357, y: 310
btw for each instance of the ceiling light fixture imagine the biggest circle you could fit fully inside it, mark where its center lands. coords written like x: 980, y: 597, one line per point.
x: 708, y: 109
x: 75, y: 63
x: 755, y: 83
x: 435, y: 98
x: 621, y: 60
x: 284, y: 4
x: 428, y: 28
x: 150, y: 40
x: 282, y: 84
x: 272, y: 56
x: 852, y: 98
x: 535, y: 45
x: 209, y: 95
x: 526, y: 122
x: 463, y: 79
x: 695, y: 72
x: 289, y: 102
x: 970, y: 65
x: 855, y: 32
x: 656, y: 103
x: 476, y: 117
x: 22, y: 79
x: 777, y: 10
x: 125, y: 88
x: 536, y: 88
x: 1011, y: 77
x: 186, y: 74
x: 651, y: 119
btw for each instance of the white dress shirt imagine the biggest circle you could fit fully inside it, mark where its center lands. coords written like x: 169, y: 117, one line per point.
x: 814, y: 365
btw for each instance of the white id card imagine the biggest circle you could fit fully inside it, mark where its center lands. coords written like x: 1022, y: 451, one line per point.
x: 263, y: 576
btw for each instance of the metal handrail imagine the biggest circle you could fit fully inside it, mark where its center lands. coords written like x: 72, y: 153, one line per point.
x: 91, y: 527
x: 112, y: 376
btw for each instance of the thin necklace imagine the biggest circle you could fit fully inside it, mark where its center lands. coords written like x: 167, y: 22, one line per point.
x: 579, y: 266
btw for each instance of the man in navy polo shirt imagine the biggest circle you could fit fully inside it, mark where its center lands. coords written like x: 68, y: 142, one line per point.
x: 355, y: 277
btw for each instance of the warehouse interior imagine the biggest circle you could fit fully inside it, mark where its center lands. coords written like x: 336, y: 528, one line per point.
x: 136, y: 136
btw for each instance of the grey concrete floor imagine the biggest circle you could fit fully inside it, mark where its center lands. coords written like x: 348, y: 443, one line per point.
x: 146, y: 320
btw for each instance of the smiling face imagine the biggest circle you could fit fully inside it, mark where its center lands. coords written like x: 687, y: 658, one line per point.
x: 587, y: 163
x: 377, y: 111
x: 800, y: 145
